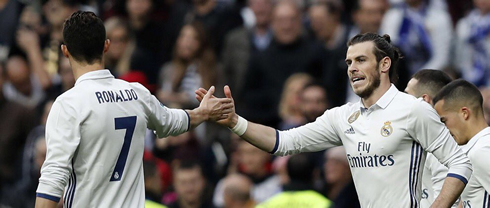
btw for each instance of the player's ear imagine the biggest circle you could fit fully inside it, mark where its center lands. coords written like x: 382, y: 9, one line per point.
x: 465, y: 113
x: 65, y: 51
x: 107, y: 43
x: 426, y: 98
x: 385, y: 64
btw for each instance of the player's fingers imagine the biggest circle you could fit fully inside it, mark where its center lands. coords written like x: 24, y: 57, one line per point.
x: 225, y: 100
x: 227, y: 106
x: 228, y: 91
x: 200, y: 94
x: 198, y: 98
x: 223, y: 116
x: 209, y: 93
x: 226, y: 111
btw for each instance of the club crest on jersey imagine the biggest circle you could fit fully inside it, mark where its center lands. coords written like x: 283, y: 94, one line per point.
x: 386, y: 130
x: 354, y: 116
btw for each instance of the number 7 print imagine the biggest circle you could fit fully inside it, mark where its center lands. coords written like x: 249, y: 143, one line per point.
x: 127, y: 123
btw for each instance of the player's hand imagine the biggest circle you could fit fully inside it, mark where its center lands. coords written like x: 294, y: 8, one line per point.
x: 230, y: 119
x: 215, y: 108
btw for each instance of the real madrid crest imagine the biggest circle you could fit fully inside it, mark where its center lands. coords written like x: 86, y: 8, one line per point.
x: 354, y: 116
x: 386, y: 130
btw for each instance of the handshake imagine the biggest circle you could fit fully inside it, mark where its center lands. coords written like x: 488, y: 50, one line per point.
x: 219, y: 110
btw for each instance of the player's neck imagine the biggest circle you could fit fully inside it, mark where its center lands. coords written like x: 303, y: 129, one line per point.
x: 476, y: 127
x: 377, y: 94
x: 80, y: 68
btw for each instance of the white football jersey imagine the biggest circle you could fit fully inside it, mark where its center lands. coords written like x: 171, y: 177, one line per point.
x: 95, y: 141
x: 432, y: 181
x: 386, y: 146
x: 476, y: 193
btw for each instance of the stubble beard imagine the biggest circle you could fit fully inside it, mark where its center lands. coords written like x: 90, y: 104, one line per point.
x: 366, y: 93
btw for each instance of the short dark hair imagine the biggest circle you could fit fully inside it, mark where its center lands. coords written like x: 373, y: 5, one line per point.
x: 382, y: 48
x: 84, y: 35
x: 461, y: 93
x: 188, y: 165
x: 430, y: 81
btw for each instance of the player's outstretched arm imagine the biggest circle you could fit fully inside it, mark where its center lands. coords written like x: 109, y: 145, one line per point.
x: 261, y: 136
x: 210, y: 108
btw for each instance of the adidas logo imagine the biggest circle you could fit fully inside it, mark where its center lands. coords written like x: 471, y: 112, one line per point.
x: 350, y: 131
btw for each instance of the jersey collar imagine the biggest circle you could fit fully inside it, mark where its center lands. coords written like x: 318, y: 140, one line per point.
x: 384, y: 101
x: 467, y: 147
x: 97, y: 74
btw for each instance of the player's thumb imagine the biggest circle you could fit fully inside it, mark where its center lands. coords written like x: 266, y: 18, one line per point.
x: 209, y: 93
x: 227, y: 91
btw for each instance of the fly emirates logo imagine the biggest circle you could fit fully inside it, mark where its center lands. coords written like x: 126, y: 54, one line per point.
x: 364, y: 159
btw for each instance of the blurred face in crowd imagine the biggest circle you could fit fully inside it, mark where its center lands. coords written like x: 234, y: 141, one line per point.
x: 482, y: 5
x: 189, y: 184
x: 252, y: 159
x: 262, y: 10
x: 138, y: 8
x: 486, y: 103
x: 188, y: 43
x: 336, y: 167
x: 370, y: 15
x: 454, y: 121
x: 363, y: 69
x: 119, y: 41
x: 286, y: 22
x: 56, y: 12
x: 30, y: 18
x: 322, y: 21
x: 18, y: 74
x: 314, y: 102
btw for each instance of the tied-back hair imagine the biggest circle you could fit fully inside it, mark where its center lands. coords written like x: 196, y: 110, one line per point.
x: 204, y: 58
x: 382, y: 48
x: 84, y: 36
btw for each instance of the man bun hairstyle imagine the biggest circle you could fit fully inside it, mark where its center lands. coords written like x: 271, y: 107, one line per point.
x: 84, y: 36
x: 382, y: 48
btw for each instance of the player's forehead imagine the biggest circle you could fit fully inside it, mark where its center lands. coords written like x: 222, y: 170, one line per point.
x: 360, y: 49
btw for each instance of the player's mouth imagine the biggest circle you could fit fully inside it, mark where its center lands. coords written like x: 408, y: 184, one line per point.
x: 357, y: 80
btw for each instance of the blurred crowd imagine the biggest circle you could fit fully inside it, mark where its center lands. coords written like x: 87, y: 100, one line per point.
x: 284, y: 62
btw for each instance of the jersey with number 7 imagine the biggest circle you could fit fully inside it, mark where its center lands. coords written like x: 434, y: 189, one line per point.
x: 95, y: 142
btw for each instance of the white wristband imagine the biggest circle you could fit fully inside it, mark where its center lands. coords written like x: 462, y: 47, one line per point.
x: 240, y: 127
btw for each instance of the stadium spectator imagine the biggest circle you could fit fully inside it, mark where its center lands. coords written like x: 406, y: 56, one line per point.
x: 15, y: 123
x: 299, y: 191
x: 22, y: 85
x: 314, y: 101
x: 290, y: 104
x: 10, y: 11
x: 66, y: 79
x: 289, y: 52
x: 341, y: 189
x: 368, y: 16
x: 148, y: 34
x: 153, y: 185
x: 255, y: 164
x: 193, y: 66
x: 486, y: 103
x: 473, y: 45
x: 190, y: 186
x: 118, y: 57
x: 218, y: 20
x: 328, y: 28
x: 422, y: 33
x: 237, y: 189
x: 242, y: 42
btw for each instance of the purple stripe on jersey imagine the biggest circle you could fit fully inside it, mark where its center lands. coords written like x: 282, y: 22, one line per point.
x: 486, y: 199
x: 277, y: 143
x: 67, y: 191
x: 463, y: 179
x: 74, y: 187
x: 417, y: 171
x: 410, y: 176
x: 49, y: 197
